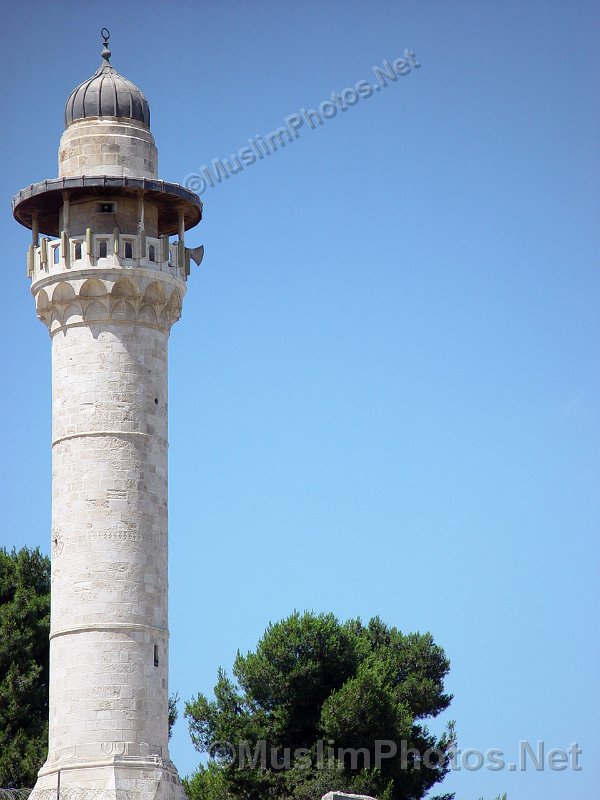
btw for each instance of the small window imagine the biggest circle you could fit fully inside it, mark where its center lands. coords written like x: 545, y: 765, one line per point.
x: 128, y: 250
x: 152, y: 253
x: 106, y: 208
x: 103, y: 249
x: 156, y: 655
x: 77, y: 251
x: 57, y: 255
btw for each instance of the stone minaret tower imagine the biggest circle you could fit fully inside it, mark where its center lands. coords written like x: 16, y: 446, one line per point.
x: 108, y: 284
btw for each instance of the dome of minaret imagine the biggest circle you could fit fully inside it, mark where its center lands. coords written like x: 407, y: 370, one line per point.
x: 107, y: 94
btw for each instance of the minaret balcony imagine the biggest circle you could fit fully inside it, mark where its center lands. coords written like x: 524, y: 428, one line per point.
x: 104, y: 251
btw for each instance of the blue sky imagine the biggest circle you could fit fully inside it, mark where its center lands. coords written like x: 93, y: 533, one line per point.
x: 384, y: 387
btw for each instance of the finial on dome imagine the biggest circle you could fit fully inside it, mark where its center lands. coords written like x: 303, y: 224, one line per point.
x: 105, y: 33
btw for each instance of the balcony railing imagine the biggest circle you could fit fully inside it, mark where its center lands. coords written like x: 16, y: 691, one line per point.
x: 105, y: 251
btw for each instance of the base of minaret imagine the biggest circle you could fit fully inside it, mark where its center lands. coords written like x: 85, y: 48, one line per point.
x: 117, y: 778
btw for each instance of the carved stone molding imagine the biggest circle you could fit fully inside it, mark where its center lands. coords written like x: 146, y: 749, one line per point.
x: 146, y: 299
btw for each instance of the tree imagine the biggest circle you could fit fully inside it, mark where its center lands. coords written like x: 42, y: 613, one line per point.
x: 24, y: 657
x: 173, y: 711
x: 319, y: 706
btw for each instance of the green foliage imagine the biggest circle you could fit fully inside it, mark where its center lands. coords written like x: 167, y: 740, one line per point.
x: 313, y: 679
x: 173, y: 711
x: 207, y: 783
x: 24, y: 657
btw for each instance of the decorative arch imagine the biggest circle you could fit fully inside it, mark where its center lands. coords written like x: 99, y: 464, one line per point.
x: 155, y: 293
x: 124, y: 288
x: 42, y: 303
x: 174, y: 306
x: 95, y: 311
x: 123, y: 309
x: 92, y: 288
x: 148, y: 314
x: 73, y: 313
x: 63, y: 293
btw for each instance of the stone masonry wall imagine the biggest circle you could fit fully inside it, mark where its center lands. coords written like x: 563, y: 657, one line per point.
x: 107, y: 146
x: 109, y: 573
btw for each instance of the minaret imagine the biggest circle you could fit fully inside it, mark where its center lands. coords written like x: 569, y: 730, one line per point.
x: 108, y: 284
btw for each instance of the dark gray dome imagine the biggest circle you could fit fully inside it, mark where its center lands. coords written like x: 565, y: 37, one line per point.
x: 107, y: 94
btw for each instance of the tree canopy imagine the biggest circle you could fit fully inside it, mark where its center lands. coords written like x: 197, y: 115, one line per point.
x: 24, y: 657
x: 320, y: 706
